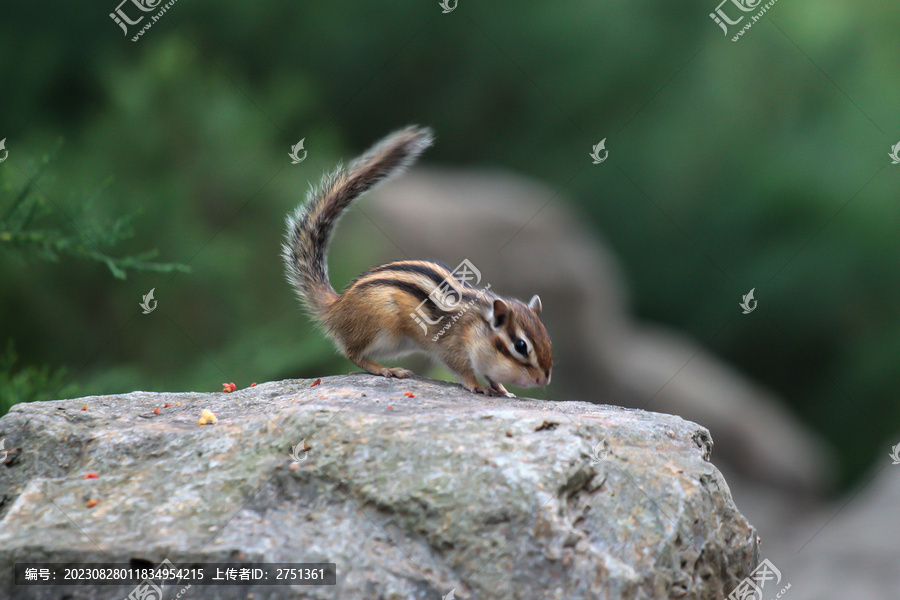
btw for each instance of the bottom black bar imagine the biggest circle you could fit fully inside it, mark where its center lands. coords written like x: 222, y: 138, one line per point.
x: 167, y: 573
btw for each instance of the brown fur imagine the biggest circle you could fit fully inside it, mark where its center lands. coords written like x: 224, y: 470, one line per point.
x: 397, y: 308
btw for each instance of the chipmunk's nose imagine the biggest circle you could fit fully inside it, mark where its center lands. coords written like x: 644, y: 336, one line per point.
x: 544, y: 379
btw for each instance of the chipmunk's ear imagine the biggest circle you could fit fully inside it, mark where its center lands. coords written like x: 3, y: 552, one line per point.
x: 496, y: 314
x: 535, y: 304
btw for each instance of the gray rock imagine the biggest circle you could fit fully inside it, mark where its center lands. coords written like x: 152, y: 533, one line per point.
x: 411, y: 497
x: 526, y: 239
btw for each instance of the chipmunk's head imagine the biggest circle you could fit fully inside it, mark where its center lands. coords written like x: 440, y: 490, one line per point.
x: 520, y: 346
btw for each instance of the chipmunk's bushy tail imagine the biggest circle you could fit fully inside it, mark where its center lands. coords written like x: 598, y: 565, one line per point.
x: 310, y: 226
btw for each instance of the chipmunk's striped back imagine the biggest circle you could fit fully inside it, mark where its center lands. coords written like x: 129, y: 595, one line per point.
x: 432, y: 283
x: 410, y: 305
x: 310, y: 226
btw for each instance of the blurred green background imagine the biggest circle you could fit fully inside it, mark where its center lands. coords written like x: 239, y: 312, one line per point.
x: 761, y: 163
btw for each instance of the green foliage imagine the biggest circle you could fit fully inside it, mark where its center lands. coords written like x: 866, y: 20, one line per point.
x: 732, y: 166
x: 34, y: 225
x: 29, y: 383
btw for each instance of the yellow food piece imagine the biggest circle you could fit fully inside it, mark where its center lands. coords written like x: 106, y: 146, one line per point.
x: 207, y: 416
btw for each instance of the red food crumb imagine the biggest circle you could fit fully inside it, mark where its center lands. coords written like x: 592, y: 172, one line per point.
x: 156, y: 411
x: 409, y: 395
x: 167, y: 405
x: 92, y: 503
x: 316, y: 382
x: 253, y: 384
x: 389, y: 406
x: 84, y: 407
x: 228, y: 387
x: 91, y: 475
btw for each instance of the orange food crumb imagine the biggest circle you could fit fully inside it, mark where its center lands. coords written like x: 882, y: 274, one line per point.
x: 409, y: 395
x: 156, y: 411
x: 84, y: 407
x: 167, y: 405
x: 316, y: 382
x: 92, y: 503
x: 228, y: 387
x: 91, y: 475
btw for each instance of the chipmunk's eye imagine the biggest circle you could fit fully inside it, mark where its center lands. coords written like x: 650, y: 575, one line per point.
x: 520, y: 346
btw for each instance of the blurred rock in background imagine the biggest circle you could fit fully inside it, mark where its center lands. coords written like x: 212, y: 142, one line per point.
x: 600, y: 349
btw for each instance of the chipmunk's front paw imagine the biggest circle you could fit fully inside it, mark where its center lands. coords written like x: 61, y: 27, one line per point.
x: 483, y: 389
x: 396, y: 372
x: 500, y: 390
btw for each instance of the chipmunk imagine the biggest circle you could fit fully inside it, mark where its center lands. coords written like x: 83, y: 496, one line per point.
x: 409, y: 305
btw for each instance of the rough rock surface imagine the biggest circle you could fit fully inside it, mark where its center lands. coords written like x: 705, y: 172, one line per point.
x: 601, y: 349
x: 411, y: 497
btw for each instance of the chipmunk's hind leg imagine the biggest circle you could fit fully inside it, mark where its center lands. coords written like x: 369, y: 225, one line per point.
x: 370, y: 366
x: 365, y: 324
